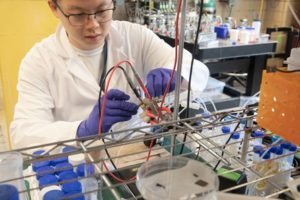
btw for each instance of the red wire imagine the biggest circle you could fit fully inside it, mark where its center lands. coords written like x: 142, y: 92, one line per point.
x: 146, y: 93
x: 102, y: 113
x: 172, y: 74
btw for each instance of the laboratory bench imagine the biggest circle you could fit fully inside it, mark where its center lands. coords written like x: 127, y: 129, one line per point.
x: 224, y: 57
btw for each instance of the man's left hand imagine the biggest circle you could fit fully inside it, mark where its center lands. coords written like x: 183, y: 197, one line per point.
x: 157, y: 81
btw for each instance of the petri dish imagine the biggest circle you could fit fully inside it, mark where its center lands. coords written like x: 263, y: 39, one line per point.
x: 177, y: 178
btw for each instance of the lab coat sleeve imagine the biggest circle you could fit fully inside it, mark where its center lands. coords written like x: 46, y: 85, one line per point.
x: 157, y: 53
x: 33, y: 122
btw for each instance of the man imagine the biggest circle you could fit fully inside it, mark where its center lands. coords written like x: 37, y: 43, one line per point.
x: 59, y: 77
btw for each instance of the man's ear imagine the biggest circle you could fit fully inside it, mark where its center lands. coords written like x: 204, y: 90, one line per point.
x: 53, y: 7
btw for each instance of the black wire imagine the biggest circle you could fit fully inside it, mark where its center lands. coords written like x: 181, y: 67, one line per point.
x: 228, y: 140
x: 102, y: 85
x: 283, y: 71
x: 195, y: 48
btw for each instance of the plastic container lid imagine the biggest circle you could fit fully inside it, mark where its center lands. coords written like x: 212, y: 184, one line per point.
x: 274, y: 149
x: 43, y: 171
x: 286, y: 145
x: 56, y: 161
x: 258, y: 149
x: 164, y: 178
x: 235, y: 136
x: 39, y: 164
x: 279, y: 151
x: 206, y: 115
x: 62, y: 167
x: 67, y: 175
x: 225, y: 129
x: 293, y: 148
x: 8, y: 192
x: 258, y: 133
x: 74, y: 186
x: 48, y: 179
x: 44, y: 192
x: 90, y: 169
x: 77, y: 159
x: 68, y: 149
x: 267, y: 156
x: 53, y: 195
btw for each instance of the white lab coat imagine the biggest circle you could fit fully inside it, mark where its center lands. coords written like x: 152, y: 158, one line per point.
x: 57, y: 91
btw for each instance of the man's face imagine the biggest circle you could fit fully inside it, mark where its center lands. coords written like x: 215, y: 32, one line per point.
x: 85, y: 34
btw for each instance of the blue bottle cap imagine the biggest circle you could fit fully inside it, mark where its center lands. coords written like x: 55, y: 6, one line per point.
x: 8, y: 192
x: 68, y: 149
x: 279, y: 151
x: 48, y: 179
x: 61, y: 167
x: 39, y: 152
x: 274, y: 149
x: 205, y: 115
x: 39, y: 164
x: 74, y: 196
x: 293, y: 148
x: 90, y: 169
x: 286, y: 145
x: 70, y: 187
x: 53, y: 195
x: 43, y: 171
x: 56, y: 161
x: 235, y: 136
x: 258, y: 134
x: 67, y: 175
x: 267, y: 156
x: 225, y: 129
x: 258, y: 149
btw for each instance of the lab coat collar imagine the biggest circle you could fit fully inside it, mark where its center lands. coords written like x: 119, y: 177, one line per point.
x: 115, y: 53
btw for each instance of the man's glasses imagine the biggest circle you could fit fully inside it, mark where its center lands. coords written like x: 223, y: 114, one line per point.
x: 81, y: 19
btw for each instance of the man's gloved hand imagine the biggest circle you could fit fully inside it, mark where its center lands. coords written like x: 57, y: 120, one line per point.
x: 117, y: 109
x: 157, y: 81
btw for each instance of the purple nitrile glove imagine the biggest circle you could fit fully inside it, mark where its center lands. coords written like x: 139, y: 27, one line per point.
x: 117, y: 109
x: 157, y: 81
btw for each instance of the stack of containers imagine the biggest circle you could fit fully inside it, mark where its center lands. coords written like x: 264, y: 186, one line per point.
x: 58, y: 178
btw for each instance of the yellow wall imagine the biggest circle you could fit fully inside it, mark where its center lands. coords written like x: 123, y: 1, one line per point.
x: 22, y: 23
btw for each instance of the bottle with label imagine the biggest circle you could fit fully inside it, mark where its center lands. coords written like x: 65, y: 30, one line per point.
x: 256, y: 24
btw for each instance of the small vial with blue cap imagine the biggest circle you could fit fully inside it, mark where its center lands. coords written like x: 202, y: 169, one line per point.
x: 258, y: 137
x: 39, y: 164
x: 88, y: 182
x: 52, y: 192
x: 73, y: 188
x: 222, y: 138
x: 43, y: 171
x: 63, y: 167
x: 291, y: 153
x: 67, y: 175
x: 257, y: 150
x: 47, y: 180
x: 234, y: 144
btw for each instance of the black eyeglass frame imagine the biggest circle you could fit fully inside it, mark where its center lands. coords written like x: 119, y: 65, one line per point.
x: 87, y: 14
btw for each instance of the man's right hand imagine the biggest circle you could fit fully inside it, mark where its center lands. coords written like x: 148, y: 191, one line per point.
x: 117, y: 109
